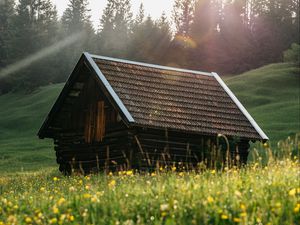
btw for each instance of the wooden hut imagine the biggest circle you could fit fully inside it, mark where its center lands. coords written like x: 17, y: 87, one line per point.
x: 118, y: 114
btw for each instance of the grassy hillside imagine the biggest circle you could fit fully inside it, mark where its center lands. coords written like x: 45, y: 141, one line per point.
x: 21, y: 115
x: 271, y: 94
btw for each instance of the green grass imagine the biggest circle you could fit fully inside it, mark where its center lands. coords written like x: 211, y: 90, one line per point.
x: 270, y: 94
x: 252, y: 195
x: 21, y: 116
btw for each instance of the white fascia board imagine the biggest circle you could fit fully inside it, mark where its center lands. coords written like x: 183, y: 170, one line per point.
x: 241, y: 107
x: 109, y: 88
x: 151, y: 65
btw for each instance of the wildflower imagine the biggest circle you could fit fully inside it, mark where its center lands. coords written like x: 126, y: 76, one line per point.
x: 237, y: 193
x: 55, y: 210
x: 292, y: 192
x: 61, y: 201
x: 42, y: 189
x: 181, y: 174
x: 28, y: 220
x: 174, y: 168
x: 87, y: 195
x: 236, y: 220
x: 94, y: 199
x: 71, y: 218
x: 210, y: 199
x: 112, y: 184
x: 243, y: 207
x: 110, y: 174
x: 53, y: 220
x: 129, y: 172
x: 243, y: 214
x: 153, y: 174
x: 164, y: 207
x: 55, y: 179
x: 213, y: 172
x: 278, y: 205
x: 40, y: 215
x: 258, y: 220
x: 87, y: 187
x: 297, y: 208
x: 72, y: 188
x: 224, y: 217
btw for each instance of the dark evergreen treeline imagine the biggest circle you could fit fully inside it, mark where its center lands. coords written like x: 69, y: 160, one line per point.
x: 226, y: 36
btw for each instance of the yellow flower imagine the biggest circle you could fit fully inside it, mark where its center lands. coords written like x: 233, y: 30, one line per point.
x: 174, y: 168
x: 297, y: 208
x: 40, y: 215
x: 94, y: 199
x: 55, y: 179
x: 181, y: 174
x: 278, y: 205
x: 236, y: 220
x: 112, y: 184
x: 292, y: 192
x: 243, y: 207
x: 42, y: 189
x: 153, y: 174
x: 87, y: 195
x: 210, y: 199
x: 53, y: 220
x: 258, y: 220
x: 28, y: 220
x: 55, y: 210
x: 129, y: 172
x: 71, y: 218
x: 110, y: 174
x: 224, y: 217
x: 243, y: 214
x: 61, y: 201
x: 213, y: 172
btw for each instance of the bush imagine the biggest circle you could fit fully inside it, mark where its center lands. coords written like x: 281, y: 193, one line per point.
x: 292, y: 54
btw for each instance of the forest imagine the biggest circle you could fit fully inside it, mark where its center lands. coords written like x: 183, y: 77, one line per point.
x: 226, y: 36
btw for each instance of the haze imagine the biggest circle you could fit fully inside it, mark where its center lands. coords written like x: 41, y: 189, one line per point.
x: 154, y: 8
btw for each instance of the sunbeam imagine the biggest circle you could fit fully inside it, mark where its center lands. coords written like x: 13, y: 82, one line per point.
x: 23, y: 63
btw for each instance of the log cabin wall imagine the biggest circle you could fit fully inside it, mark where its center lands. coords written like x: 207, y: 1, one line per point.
x: 88, y: 135
x: 162, y: 148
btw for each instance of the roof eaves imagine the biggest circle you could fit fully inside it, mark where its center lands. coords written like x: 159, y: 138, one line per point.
x: 241, y: 107
x: 108, y: 87
x: 150, y: 65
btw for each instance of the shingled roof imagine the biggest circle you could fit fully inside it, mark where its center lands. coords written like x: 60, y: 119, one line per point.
x: 164, y: 97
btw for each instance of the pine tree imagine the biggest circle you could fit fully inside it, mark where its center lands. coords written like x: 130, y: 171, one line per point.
x: 150, y: 41
x: 115, y: 28
x: 183, y: 14
x: 75, y: 20
x: 6, y: 30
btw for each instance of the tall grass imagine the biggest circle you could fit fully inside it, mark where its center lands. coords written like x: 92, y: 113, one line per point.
x: 259, y: 193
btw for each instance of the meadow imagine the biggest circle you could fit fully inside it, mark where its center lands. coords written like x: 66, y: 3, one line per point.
x: 254, y: 194
x: 265, y: 192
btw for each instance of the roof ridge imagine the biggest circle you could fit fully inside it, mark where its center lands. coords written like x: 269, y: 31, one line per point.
x: 151, y: 65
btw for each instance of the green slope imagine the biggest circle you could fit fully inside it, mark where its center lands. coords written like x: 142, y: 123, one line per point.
x: 271, y: 95
x: 21, y: 115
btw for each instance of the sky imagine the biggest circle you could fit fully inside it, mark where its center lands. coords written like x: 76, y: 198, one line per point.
x: 152, y: 7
